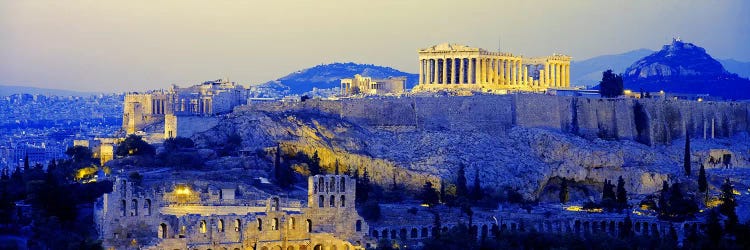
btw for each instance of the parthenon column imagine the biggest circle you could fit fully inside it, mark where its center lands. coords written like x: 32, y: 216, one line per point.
x: 470, y: 73
x: 496, y: 71
x: 444, y: 75
x: 461, y: 70
x: 478, y: 70
x: 525, y: 76
x: 518, y: 72
x: 421, y: 71
x: 506, y: 72
x: 557, y: 75
x: 452, y: 79
x: 567, y: 74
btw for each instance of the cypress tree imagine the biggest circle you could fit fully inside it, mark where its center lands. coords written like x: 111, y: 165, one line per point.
x: 337, y: 167
x: 702, y: 183
x: 687, y: 153
x: 564, y: 194
x: 728, y: 204
x: 476, y: 192
x: 663, y: 198
x: 622, y: 194
x: 314, y: 166
x: 627, y: 226
x: 26, y: 163
x: 461, y: 189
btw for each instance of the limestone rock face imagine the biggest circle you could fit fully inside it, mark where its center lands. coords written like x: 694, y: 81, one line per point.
x: 521, y: 157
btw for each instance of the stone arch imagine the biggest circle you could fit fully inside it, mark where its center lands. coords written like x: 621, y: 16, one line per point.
x: 309, y: 225
x: 343, y: 201
x: 275, y: 224
x: 425, y: 232
x: 332, y: 201
x: 321, y: 184
x: 162, y: 231
x: 637, y: 226
x: 612, y: 228
x: 123, y: 208
x: 134, y: 207
x: 343, y: 184
x: 275, y: 204
x: 203, y: 226
x: 393, y: 234
x: 513, y: 227
x: 260, y: 224
x: 402, y: 234
x: 586, y: 226
x: 333, y: 247
x: 603, y: 226
x: 484, y: 231
x: 147, y: 205
x: 503, y: 227
x: 318, y: 247
x: 276, y: 247
x: 358, y: 226
x: 375, y: 234
x: 290, y: 248
x: 237, y: 225
x: 645, y: 228
x: 321, y: 201
x: 220, y: 225
x: 577, y: 226
x: 292, y: 223
x: 655, y: 229
x: 414, y: 233
x: 264, y: 248
x: 494, y: 230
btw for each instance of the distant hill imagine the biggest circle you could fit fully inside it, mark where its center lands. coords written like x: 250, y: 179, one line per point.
x: 329, y: 75
x: 589, y: 72
x: 685, y: 68
x: 740, y: 68
x: 6, y: 90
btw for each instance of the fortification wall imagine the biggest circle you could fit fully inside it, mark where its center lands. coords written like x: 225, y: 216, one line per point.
x: 650, y: 121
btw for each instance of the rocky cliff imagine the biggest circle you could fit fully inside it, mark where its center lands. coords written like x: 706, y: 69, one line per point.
x: 516, y: 141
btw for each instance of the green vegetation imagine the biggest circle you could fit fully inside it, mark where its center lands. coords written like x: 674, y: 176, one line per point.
x: 611, y: 84
x: 59, y: 216
x: 134, y: 145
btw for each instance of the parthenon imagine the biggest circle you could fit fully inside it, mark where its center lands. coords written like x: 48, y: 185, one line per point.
x: 455, y: 66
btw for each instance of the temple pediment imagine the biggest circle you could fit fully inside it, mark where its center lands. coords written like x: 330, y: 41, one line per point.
x: 449, y: 47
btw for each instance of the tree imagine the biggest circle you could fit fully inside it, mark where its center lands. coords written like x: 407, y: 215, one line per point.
x: 336, y: 167
x: 177, y: 143
x: 282, y: 173
x: 461, y: 189
x: 363, y: 187
x: 687, y: 153
x: 314, y: 165
x: 611, y: 84
x: 26, y: 163
x: 134, y: 145
x: 728, y: 204
x: 429, y: 195
x: 713, y: 228
x: 476, y: 192
x: 608, y: 192
x: 564, y: 193
x: 79, y: 154
x: 622, y: 194
x: 702, y: 183
x: 664, y: 198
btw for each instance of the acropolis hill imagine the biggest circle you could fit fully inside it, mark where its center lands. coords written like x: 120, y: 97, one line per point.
x: 519, y: 140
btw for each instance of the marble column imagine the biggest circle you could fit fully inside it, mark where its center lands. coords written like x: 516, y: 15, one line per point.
x: 525, y: 76
x: 506, y: 72
x: 567, y: 75
x: 470, y: 73
x: 434, y: 71
x: 443, y: 74
x: 421, y: 71
x: 460, y: 70
x: 478, y: 70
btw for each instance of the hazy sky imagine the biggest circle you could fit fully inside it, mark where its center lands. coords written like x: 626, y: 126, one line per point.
x: 137, y: 45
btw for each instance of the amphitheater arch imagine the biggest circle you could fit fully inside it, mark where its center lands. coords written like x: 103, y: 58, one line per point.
x: 162, y: 231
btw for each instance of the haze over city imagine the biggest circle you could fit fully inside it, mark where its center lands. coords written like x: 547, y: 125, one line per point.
x: 116, y: 46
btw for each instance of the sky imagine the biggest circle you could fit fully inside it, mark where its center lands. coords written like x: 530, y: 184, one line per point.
x: 114, y: 46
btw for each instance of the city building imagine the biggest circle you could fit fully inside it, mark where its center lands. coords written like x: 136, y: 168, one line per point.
x: 366, y: 85
x: 453, y: 66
